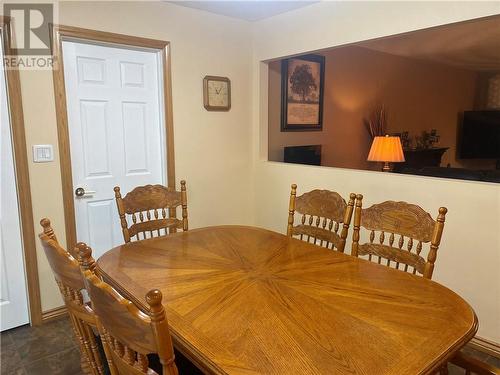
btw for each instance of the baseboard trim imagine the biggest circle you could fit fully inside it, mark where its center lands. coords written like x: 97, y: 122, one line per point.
x: 52, y: 314
x: 485, y: 346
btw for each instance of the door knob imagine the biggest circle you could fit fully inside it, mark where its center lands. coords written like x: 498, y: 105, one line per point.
x: 81, y: 192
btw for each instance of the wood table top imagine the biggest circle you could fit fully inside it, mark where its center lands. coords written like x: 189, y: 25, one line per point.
x: 244, y: 300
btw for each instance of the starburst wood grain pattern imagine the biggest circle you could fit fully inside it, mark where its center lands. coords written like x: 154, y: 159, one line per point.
x: 243, y: 300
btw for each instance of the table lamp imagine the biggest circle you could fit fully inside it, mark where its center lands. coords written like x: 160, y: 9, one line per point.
x: 387, y: 150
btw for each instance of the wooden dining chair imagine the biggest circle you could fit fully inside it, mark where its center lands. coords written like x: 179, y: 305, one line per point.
x: 69, y: 279
x: 323, y: 212
x: 128, y: 334
x: 152, y: 211
x: 398, y: 225
x: 473, y: 365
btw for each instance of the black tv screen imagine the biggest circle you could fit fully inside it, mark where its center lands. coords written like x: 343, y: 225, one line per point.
x: 480, y: 136
x: 303, y: 154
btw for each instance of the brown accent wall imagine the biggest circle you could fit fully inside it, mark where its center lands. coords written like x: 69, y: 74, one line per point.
x: 418, y: 95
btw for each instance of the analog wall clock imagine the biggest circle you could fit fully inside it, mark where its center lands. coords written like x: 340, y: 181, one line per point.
x: 216, y: 93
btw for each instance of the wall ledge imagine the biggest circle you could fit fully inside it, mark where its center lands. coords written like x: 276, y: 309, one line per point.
x: 377, y: 174
x: 485, y: 346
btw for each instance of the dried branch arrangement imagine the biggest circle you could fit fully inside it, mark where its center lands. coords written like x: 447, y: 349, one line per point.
x: 376, y: 123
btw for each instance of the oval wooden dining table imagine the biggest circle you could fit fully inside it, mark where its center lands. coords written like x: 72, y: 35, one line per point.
x: 244, y: 300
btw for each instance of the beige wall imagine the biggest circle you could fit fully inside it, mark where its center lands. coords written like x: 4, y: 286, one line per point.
x: 212, y: 149
x: 418, y: 95
x: 469, y: 258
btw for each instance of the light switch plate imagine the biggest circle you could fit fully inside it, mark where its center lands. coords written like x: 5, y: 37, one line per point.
x: 43, y: 153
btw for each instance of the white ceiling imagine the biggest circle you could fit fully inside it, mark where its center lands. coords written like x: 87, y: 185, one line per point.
x: 247, y: 10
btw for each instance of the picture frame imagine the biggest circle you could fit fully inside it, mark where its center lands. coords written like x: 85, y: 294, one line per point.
x: 217, y: 93
x: 302, y: 88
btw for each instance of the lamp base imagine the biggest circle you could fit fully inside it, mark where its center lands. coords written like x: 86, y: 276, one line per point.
x: 386, y: 167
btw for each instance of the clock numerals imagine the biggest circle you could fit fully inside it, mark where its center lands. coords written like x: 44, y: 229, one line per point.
x: 217, y: 93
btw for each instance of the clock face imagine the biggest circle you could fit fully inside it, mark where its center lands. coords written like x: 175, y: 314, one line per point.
x: 218, y: 93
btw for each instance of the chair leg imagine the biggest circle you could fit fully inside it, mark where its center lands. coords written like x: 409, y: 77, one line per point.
x: 84, y: 353
x: 96, y: 356
x: 444, y: 369
x: 473, y: 365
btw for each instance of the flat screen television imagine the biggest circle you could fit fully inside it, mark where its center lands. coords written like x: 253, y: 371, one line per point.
x: 480, y: 135
x: 303, y: 154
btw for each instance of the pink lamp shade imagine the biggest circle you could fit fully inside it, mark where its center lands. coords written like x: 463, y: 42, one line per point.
x: 386, y: 149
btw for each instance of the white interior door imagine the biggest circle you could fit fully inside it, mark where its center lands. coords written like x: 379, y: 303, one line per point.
x: 13, y: 296
x: 117, y: 137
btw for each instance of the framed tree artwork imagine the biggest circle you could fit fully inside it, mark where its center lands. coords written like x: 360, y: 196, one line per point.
x: 302, y: 85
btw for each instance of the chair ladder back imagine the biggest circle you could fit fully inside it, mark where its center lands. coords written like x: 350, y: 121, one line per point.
x: 129, y: 334
x: 70, y: 282
x: 63, y: 264
x: 322, y: 213
x: 152, y: 210
x: 394, y: 228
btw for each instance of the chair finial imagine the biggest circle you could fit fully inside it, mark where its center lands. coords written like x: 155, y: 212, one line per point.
x: 442, y: 212
x: 45, y: 223
x: 85, y: 259
x: 153, y: 298
x: 359, y: 199
x: 47, y: 228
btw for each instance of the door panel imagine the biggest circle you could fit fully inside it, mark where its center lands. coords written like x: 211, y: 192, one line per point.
x: 13, y: 297
x: 100, y: 214
x: 135, y: 138
x: 116, y: 132
x: 95, y: 152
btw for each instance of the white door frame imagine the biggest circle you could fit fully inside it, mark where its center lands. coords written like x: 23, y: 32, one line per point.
x: 60, y: 32
x: 22, y: 177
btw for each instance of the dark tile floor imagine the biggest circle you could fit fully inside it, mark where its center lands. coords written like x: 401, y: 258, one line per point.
x: 52, y: 350
x: 48, y: 349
